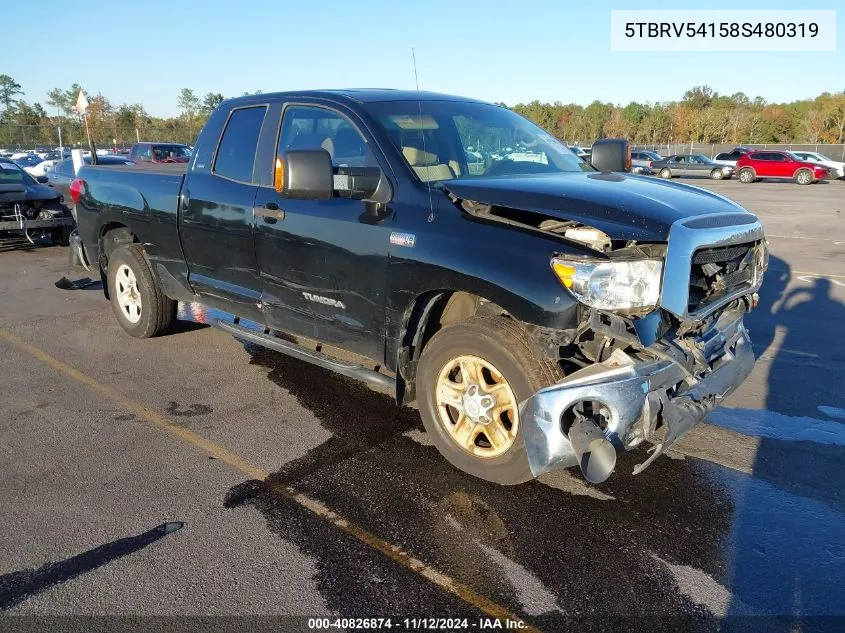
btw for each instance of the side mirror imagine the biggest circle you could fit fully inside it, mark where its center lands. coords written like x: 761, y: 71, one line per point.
x: 43, y: 180
x: 305, y: 174
x: 611, y: 154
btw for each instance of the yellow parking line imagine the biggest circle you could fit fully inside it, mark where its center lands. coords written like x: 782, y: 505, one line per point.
x: 393, y: 552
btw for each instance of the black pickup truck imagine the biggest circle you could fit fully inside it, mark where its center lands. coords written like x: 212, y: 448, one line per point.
x: 543, y: 312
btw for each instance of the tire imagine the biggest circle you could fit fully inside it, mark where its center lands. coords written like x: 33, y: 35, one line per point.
x: 665, y: 173
x: 747, y: 175
x: 804, y: 177
x: 717, y: 174
x: 502, y: 344
x: 151, y: 312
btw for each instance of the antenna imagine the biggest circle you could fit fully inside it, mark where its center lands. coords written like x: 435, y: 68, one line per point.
x: 422, y: 133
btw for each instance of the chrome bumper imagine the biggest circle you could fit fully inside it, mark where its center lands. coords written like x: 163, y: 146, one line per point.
x: 638, y: 394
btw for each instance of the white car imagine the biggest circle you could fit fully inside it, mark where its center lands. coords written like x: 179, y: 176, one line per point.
x: 40, y: 169
x: 729, y: 158
x: 837, y: 168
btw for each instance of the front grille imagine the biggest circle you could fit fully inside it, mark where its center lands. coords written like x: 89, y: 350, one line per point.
x: 720, y: 271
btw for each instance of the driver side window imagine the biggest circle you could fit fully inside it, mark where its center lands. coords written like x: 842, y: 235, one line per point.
x: 311, y: 127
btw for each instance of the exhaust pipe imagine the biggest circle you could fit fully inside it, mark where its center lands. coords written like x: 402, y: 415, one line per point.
x: 596, y: 455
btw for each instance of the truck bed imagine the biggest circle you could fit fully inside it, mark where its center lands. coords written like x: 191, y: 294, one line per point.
x: 162, y: 168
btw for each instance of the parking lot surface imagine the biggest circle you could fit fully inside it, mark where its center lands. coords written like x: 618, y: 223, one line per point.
x: 303, y: 493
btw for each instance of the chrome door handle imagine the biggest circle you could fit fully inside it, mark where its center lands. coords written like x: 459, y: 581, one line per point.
x: 270, y: 212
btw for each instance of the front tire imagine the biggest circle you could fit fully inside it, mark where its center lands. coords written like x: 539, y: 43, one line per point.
x: 665, y: 173
x: 804, y: 177
x: 139, y: 304
x: 717, y: 174
x: 471, y: 377
x: 747, y: 175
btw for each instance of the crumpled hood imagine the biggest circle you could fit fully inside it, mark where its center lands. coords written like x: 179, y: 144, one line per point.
x: 30, y: 193
x: 624, y: 206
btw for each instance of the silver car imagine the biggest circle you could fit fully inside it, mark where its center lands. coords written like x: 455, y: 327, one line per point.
x: 641, y: 161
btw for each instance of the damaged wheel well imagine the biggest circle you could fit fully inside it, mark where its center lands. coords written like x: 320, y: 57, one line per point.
x: 429, y: 314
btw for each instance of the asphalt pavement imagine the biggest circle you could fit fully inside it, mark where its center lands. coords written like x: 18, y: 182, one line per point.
x: 191, y: 475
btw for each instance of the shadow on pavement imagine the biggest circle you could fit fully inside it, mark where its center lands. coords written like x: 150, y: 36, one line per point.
x: 17, y: 586
x: 787, y: 539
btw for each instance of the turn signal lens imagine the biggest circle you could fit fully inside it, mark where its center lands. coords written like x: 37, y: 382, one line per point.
x: 279, y: 175
x: 564, y: 272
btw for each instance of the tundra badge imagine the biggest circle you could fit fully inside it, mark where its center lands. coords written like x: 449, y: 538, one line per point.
x: 324, y: 300
x: 403, y: 239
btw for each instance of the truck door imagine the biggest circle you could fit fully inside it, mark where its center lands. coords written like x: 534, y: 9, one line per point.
x: 323, y: 263
x: 217, y: 201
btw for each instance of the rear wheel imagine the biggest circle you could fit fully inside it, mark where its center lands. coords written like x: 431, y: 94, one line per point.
x: 472, y: 376
x: 665, y: 173
x: 747, y: 175
x: 717, y: 174
x: 140, y: 306
x: 804, y: 177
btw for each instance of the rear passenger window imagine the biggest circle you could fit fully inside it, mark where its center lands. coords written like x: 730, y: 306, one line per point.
x: 236, y: 152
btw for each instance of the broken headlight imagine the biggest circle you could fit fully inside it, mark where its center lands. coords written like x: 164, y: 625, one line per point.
x: 631, y: 287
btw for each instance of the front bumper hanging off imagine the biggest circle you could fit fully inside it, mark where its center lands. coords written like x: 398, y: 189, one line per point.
x: 637, y: 395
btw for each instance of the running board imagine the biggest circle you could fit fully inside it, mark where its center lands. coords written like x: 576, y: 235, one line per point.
x: 350, y: 370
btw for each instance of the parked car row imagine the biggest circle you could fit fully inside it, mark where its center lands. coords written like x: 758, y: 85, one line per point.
x: 748, y: 164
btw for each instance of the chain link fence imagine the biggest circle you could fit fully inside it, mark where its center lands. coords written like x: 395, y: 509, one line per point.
x: 39, y: 137
x: 32, y: 137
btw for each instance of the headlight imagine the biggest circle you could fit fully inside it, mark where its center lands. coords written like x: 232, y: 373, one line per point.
x: 623, y: 286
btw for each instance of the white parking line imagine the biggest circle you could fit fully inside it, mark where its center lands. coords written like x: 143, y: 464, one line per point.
x: 809, y: 273
x: 806, y: 237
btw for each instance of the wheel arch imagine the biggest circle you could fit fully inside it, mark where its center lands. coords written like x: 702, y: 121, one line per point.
x: 112, y: 235
x: 427, y: 314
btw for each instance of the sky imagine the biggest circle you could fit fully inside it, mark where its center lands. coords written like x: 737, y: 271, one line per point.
x: 509, y: 51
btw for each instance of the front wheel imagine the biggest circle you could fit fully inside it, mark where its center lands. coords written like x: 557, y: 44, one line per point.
x: 139, y: 304
x: 804, y: 177
x: 717, y: 174
x: 746, y: 175
x: 471, y: 378
x: 665, y: 173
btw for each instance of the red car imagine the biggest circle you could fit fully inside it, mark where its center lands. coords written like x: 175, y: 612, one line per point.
x: 783, y: 165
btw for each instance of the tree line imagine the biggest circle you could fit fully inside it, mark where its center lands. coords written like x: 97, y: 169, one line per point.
x: 701, y: 116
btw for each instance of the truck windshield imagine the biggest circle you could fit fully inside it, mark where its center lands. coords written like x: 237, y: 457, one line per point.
x: 444, y: 140
x: 11, y: 174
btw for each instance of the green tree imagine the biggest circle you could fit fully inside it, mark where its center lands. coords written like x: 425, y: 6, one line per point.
x: 699, y: 97
x: 9, y: 89
x: 188, y: 103
x: 58, y: 99
x: 210, y: 101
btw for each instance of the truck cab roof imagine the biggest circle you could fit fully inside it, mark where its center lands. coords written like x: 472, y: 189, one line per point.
x: 359, y: 95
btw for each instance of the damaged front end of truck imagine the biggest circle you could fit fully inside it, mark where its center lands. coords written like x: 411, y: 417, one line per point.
x: 645, y: 371
x: 668, y: 368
